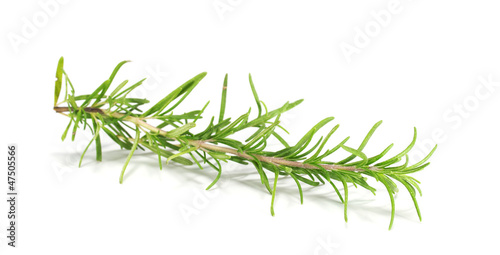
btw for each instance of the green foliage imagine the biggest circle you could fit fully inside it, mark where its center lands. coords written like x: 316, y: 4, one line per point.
x: 172, y: 138
x: 184, y: 89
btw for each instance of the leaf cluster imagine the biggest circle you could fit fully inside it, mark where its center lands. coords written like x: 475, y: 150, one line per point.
x: 173, y: 137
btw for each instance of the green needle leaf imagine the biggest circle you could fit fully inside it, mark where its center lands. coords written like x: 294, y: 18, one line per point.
x: 254, y: 91
x: 181, y: 130
x: 94, y: 94
x: 201, y: 112
x: 346, y: 196
x: 356, y: 153
x: 109, y: 81
x: 219, y: 169
x: 59, y: 73
x: 75, y: 127
x: 263, y: 176
x: 299, y: 147
x: 129, y: 89
x: 390, y: 191
x: 363, y: 144
x: 223, y: 100
x: 117, y: 89
x: 262, y: 119
x: 66, y: 130
x: 184, y: 88
x: 132, y: 150
x: 168, y: 154
x: 91, y: 141
x: 313, y: 157
x: 115, y: 71
x: 266, y: 132
x: 298, y: 186
x: 181, y: 153
x: 423, y: 160
x: 219, y: 155
x: 401, y: 154
x: 98, y: 147
x: 276, y: 174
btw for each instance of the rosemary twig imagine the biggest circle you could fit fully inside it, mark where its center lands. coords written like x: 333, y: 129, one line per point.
x: 211, y: 147
x: 304, y: 162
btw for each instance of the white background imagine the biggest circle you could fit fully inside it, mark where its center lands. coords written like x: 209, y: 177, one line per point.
x: 420, y: 66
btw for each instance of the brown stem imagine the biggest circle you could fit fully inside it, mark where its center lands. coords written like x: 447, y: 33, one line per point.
x: 134, y: 120
x: 59, y: 109
x: 213, y: 147
x: 274, y: 160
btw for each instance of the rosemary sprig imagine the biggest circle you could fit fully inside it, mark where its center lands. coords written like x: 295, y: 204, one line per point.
x: 304, y: 163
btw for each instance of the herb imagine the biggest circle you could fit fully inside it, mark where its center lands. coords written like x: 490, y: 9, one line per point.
x: 175, y: 139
